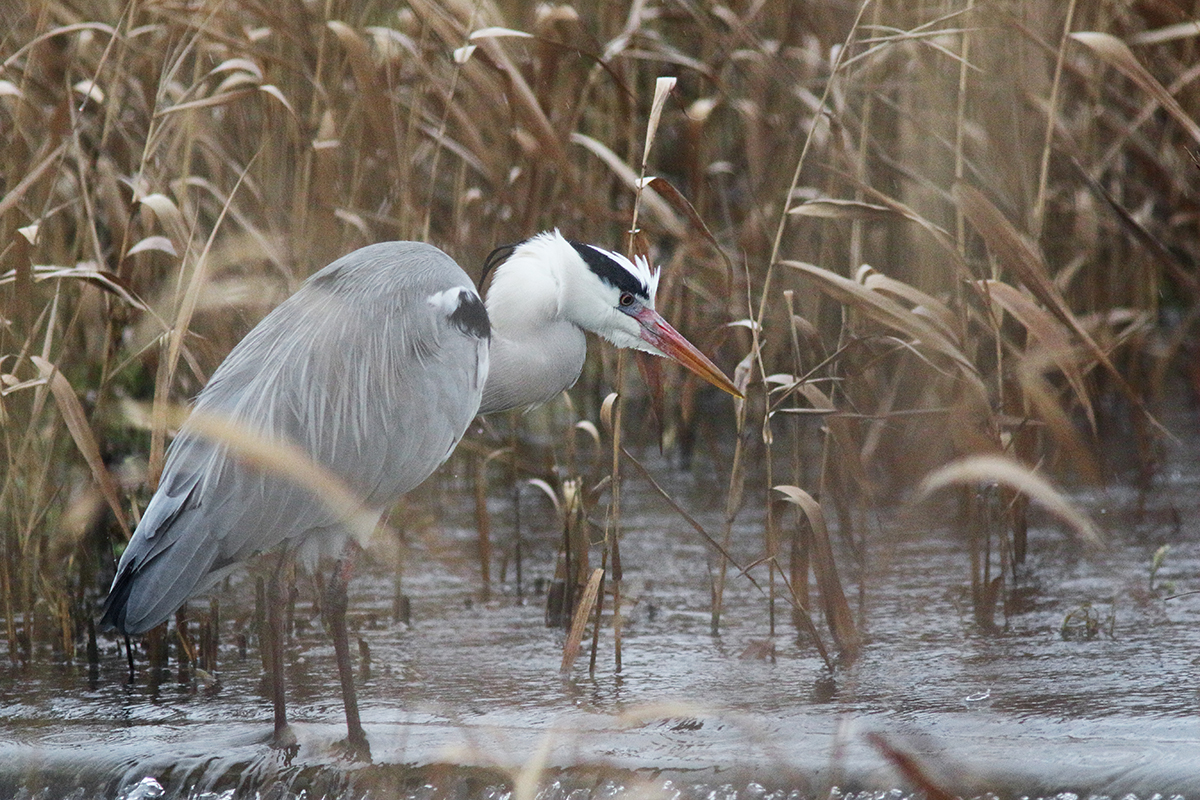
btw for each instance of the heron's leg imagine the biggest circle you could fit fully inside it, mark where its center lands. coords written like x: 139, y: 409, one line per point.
x: 335, y: 607
x: 275, y: 637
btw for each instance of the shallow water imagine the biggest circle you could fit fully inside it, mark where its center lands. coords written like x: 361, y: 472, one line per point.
x: 468, y: 699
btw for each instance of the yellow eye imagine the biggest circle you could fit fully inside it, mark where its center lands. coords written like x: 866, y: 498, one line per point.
x: 627, y: 299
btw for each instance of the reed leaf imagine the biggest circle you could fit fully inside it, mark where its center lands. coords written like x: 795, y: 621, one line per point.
x: 1117, y: 54
x: 1009, y: 472
x: 1053, y: 338
x: 587, y: 602
x: 838, y: 616
x: 884, y: 311
x: 1021, y: 257
x: 85, y: 440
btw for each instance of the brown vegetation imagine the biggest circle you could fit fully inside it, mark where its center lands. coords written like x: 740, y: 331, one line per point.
x: 1018, y: 176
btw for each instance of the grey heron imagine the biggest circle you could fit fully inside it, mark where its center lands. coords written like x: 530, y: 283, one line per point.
x: 374, y: 368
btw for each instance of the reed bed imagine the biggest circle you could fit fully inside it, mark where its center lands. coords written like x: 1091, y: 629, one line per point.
x: 948, y: 248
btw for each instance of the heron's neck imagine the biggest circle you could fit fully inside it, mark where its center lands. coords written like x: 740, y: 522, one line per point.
x: 527, y: 368
x: 536, y: 352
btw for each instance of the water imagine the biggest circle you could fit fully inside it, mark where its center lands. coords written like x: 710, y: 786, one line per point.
x: 467, y: 701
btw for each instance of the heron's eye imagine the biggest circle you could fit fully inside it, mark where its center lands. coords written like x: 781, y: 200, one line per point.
x: 627, y: 299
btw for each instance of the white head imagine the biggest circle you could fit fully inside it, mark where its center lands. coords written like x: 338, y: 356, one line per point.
x: 605, y: 292
x: 597, y: 290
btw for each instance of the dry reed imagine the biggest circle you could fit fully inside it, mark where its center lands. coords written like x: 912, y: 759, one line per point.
x: 1020, y: 177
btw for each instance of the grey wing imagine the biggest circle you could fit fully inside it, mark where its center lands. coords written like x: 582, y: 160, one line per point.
x: 178, y: 548
x: 367, y: 369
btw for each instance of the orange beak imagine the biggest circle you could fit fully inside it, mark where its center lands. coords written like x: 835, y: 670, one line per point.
x: 658, y: 333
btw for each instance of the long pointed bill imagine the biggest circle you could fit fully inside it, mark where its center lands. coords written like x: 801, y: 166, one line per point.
x: 658, y: 332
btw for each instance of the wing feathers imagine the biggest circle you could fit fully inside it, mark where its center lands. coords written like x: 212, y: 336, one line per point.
x: 359, y: 371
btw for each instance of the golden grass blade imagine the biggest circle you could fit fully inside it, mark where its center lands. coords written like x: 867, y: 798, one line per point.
x: 606, y: 411
x: 1054, y: 338
x: 838, y: 616
x: 526, y: 103
x: 498, y: 32
x: 651, y: 369
x: 1117, y: 54
x: 1021, y: 258
x: 239, y: 64
x: 884, y: 311
x: 168, y: 214
x: 662, y: 90
x: 833, y: 208
x: 681, y: 204
x: 17, y: 192
x: 589, y: 427
x: 911, y: 767
x: 275, y: 92
x: 183, y: 317
x: 1179, y: 267
x: 85, y: 440
x: 238, y: 80
x: 94, y: 27
x: 939, y: 234
x: 579, y: 622
x: 374, y: 97
x: 547, y: 490
x: 1009, y: 472
x: 1010, y: 247
x: 90, y: 91
x: 1045, y: 406
x: 1167, y: 33
x: 527, y: 780
x: 651, y: 199
x: 923, y: 304
x: 87, y: 272
x: 160, y: 243
x: 206, y: 102
x: 30, y: 232
x: 285, y: 459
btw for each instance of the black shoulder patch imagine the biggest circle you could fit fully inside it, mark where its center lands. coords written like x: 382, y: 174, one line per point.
x: 610, y: 271
x: 471, y: 317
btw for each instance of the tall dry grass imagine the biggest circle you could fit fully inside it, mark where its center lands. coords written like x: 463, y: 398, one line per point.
x: 1019, y: 176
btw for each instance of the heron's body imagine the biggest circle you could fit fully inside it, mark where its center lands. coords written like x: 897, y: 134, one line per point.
x: 374, y: 369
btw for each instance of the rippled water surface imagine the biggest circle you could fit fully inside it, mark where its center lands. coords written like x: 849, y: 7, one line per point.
x: 467, y: 700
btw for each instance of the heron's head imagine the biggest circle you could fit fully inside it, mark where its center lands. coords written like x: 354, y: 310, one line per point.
x: 612, y: 296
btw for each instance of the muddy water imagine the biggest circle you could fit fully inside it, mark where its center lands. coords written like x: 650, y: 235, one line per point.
x: 467, y: 701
